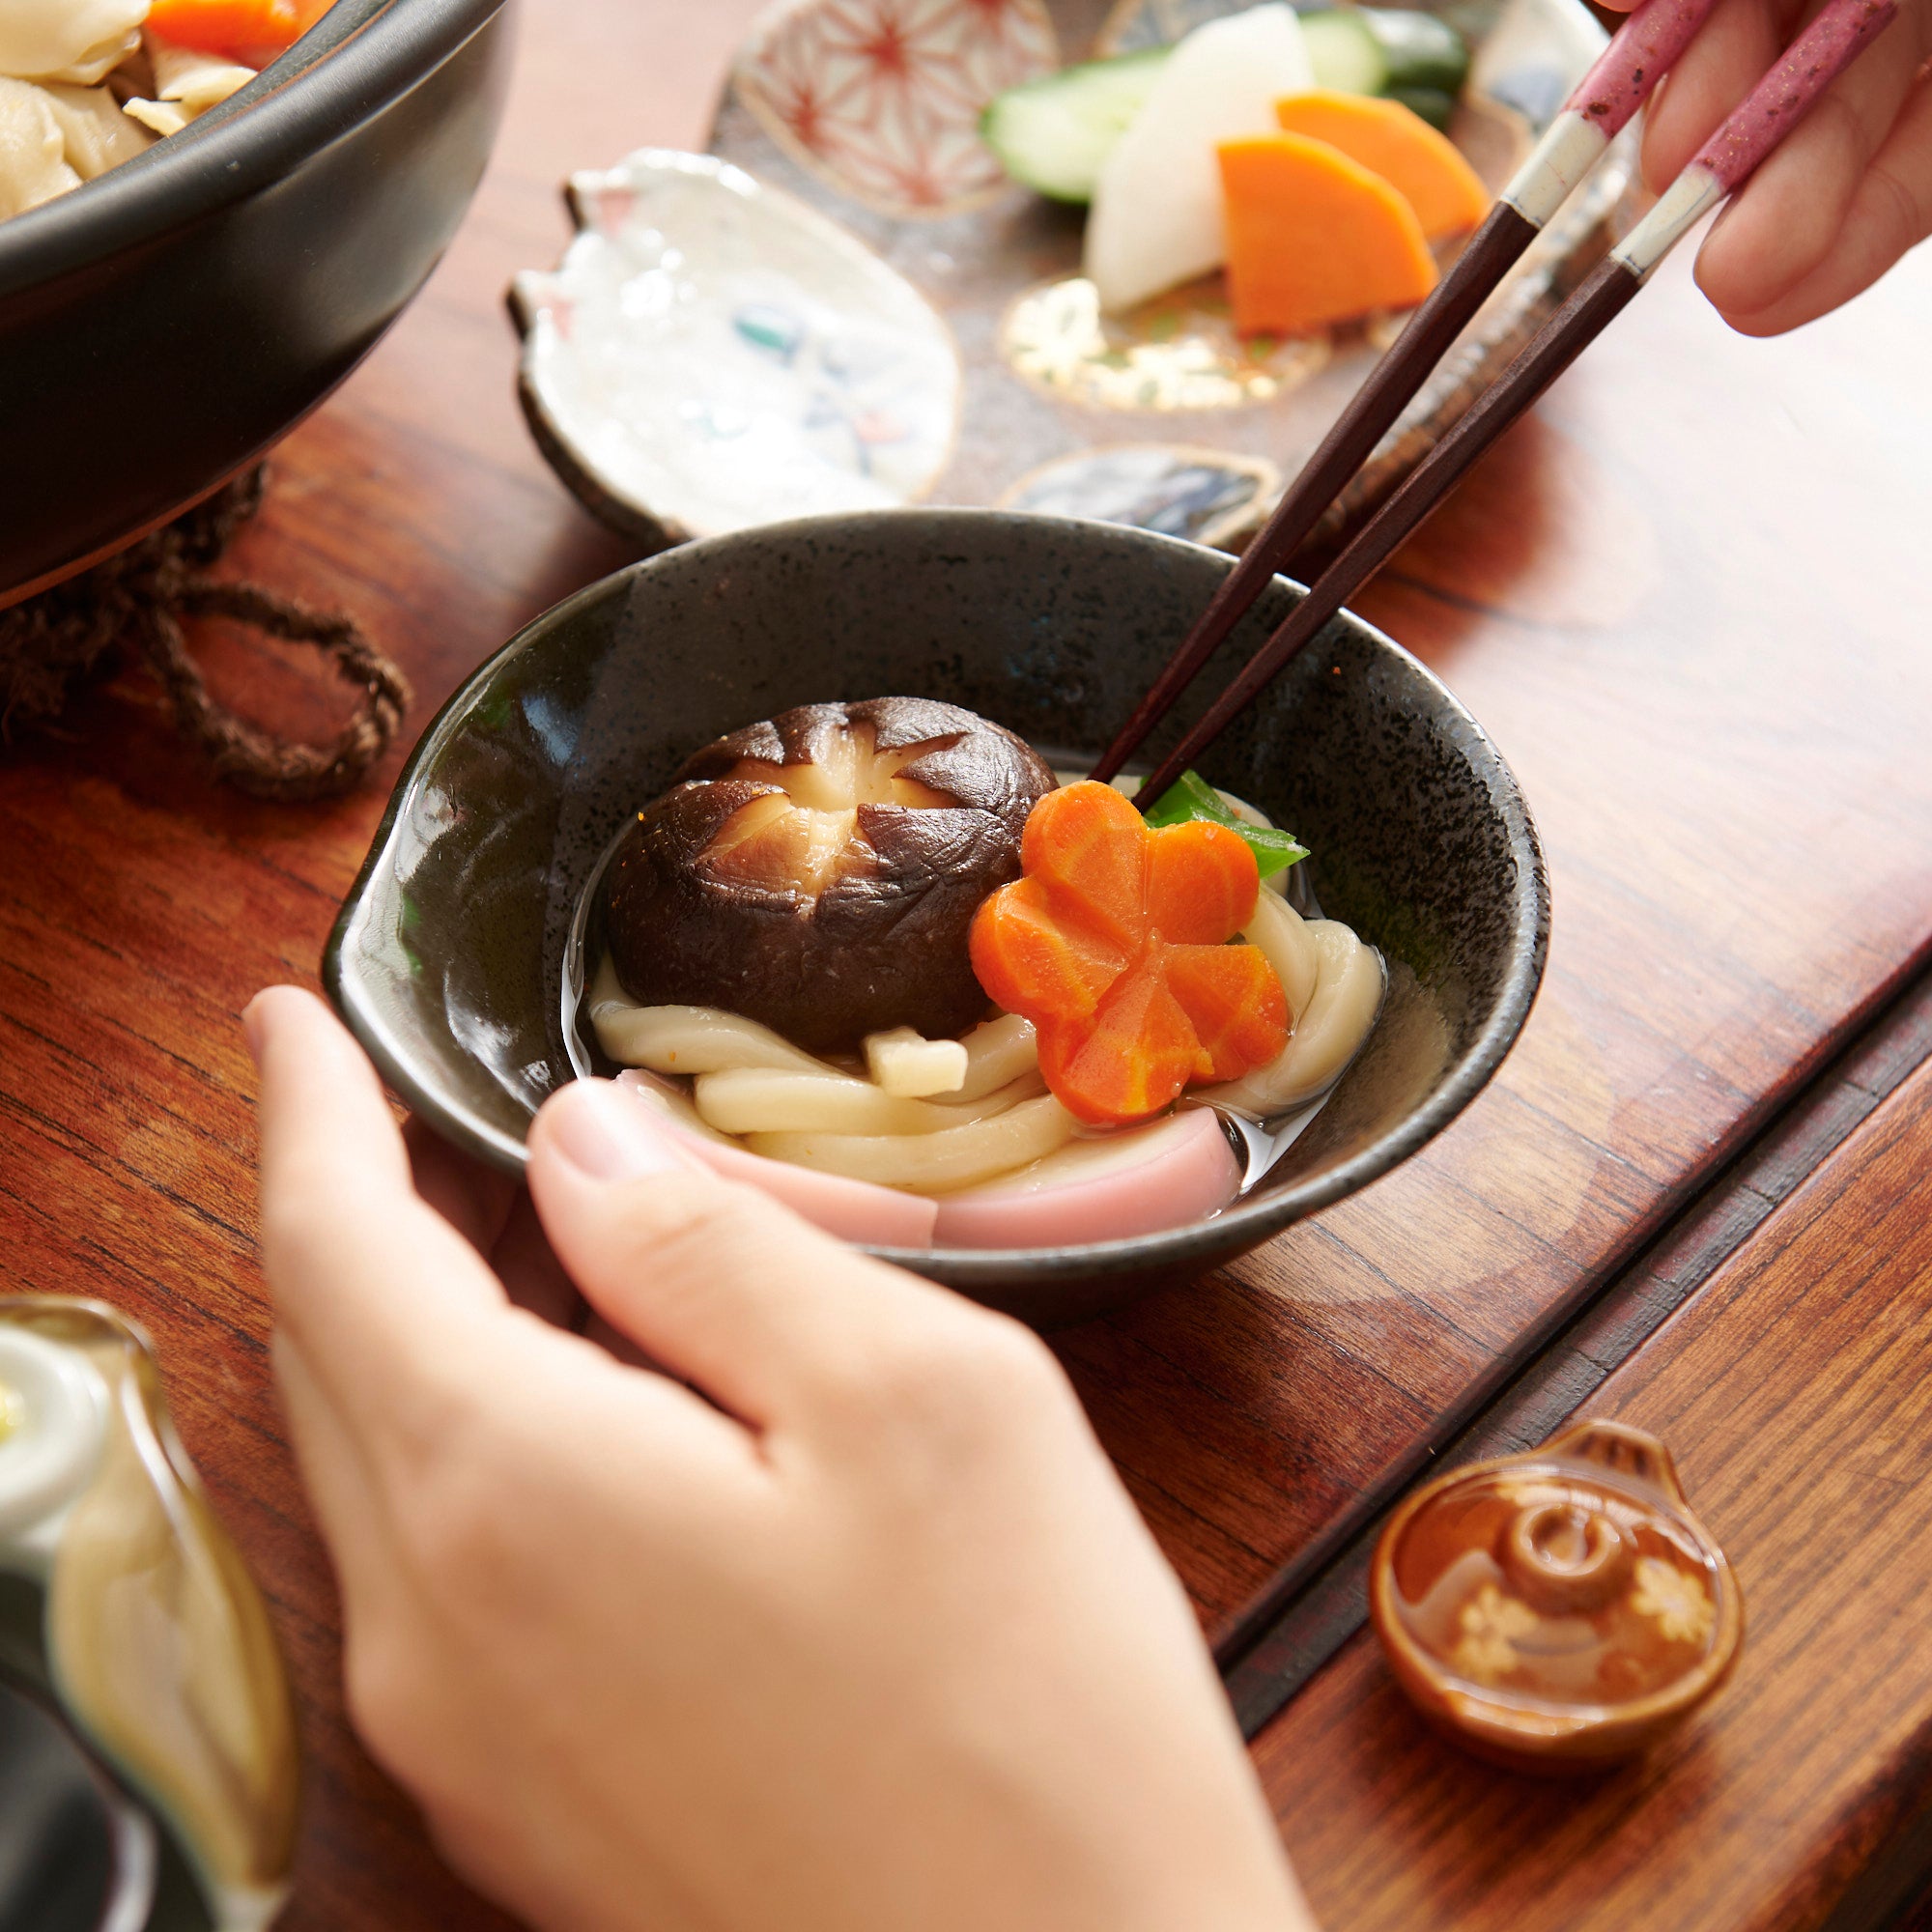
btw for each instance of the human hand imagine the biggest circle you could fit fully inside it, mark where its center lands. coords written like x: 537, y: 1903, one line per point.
x: 1839, y: 200
x: 857, y: 1630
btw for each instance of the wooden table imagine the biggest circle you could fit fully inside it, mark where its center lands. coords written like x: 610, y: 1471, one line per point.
x: 1687, y: 598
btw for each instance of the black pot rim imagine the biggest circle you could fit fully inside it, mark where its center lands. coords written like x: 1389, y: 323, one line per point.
x: 350, y: 68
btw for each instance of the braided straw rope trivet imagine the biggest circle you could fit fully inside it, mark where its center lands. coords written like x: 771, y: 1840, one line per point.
x: 136, y: 599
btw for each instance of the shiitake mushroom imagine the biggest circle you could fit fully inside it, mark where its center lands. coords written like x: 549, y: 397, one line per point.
x: 818, y: 871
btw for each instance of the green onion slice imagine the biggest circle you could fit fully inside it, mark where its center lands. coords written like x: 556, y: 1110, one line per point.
x: 1191, y: 796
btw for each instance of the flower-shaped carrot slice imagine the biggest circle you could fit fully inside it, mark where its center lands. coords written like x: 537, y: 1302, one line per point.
x: 1114, y: 943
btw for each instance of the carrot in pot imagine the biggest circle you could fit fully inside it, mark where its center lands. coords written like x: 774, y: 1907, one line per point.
x: 229, y: 26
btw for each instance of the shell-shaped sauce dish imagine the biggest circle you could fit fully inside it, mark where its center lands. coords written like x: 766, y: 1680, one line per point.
x: 1558, y: 1609
x: 126, y: 1611
x: 711, y: 354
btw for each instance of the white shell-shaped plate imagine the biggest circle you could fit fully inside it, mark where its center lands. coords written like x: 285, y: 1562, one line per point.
x: 712, y: 353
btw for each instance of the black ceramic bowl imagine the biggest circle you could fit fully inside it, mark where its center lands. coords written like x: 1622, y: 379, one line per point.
x: 447, y: 960
x: 162, y: 326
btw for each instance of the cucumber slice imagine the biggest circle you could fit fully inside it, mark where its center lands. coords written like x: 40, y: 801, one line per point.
x: 1345, y: 54
x: 1385, y: 50
x: 1431, y: 103
x: 1053, y: 133
x: 1421, y: 49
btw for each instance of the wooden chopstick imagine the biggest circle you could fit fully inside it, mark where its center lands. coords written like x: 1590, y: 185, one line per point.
x: 1771, y: 110
x: 1599, y: 107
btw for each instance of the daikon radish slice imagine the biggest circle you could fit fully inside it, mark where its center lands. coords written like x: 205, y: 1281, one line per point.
x: 1155, y: 221
x: 855, y: 1210
x: 904, y: 1063
x: 767, y: 1100
x: 932, y: 1163
x: 1425, y: 168
x: 1329, y: 1030
x: 1315, y: 238
x: 1177, y: 1171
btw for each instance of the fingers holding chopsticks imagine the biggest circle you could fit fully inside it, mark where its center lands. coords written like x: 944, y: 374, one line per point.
x: 1839, y: 201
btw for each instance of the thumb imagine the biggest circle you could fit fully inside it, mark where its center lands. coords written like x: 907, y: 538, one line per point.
x: 713, y: 1279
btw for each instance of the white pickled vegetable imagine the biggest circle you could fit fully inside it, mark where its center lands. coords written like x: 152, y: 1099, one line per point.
x: 1157, y: 215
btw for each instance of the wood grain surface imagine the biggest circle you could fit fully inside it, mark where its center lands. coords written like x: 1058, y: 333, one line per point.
x: 1794, y: 1395
x: 1687, y: 598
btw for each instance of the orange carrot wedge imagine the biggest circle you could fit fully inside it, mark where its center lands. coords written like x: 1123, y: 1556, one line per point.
x: 1235, y: 1003
x: 1087, y: 838
x: 1113, y: 943
x: 1200, y: 882
x: 1032, y: 956
x: 1315, y: 238
x: 1391, y: 140
x: 1138, y: 1054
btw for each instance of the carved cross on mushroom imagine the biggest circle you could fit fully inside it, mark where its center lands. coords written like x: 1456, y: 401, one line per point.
x: 819, y: 870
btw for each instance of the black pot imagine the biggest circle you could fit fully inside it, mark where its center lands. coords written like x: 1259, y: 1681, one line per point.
x: 162, y: 326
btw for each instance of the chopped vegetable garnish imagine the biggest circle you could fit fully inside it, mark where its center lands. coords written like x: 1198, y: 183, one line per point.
x: 1114, y: 946
x: 1191, y: 796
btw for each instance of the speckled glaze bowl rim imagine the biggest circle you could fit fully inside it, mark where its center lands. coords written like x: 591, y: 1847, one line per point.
x: 1502, y: 1719
x: 1248, y: 1223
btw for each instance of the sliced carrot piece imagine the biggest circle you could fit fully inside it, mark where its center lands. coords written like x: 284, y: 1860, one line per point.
x: 1424, y: 166
x: 1202, y: 882
x: 1233, y: 1001
x: 1031, y: 956
x: 1315, y: 238
x: 1113, y: 943
x: 1135, y: 1057
x: 1087, y: 836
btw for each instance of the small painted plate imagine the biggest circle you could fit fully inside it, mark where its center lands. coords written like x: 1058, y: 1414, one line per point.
x: 712, y: 353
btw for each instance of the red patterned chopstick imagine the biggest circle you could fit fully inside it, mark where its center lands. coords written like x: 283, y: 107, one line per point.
x: 1599, y: 107
x: 1779, y: 102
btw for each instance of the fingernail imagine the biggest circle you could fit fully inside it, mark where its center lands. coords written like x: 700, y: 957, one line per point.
x: 606, y: 1133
